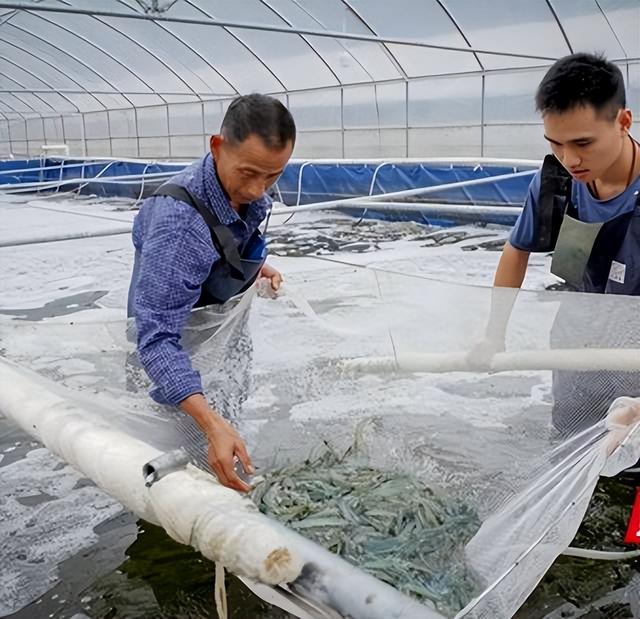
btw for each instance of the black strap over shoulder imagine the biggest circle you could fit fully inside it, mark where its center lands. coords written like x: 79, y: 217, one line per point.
x: 221, y: 236
x: 553, y: 201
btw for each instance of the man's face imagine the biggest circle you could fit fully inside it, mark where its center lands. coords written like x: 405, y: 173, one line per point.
x: 246, y: 170
x: 587, y: 144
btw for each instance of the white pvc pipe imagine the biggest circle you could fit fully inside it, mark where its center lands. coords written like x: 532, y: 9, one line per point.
x: 189, y: 504
x: 90, y: 160
x: 194, y: 509
x: 66, y: 236
x: 121, y: 179
x: 579, y: 359
x: 440, y: 207
x: 480, y: 161
x: 348, y: 202
x: 42, y: 204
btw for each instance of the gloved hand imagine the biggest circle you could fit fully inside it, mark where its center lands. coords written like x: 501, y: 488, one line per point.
x: 482, y: 352
x: 622, y: 417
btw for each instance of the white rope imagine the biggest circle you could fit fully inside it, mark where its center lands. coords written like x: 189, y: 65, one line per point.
x: 123, y: 179
x: 601, y: 555
x: 220, y: 592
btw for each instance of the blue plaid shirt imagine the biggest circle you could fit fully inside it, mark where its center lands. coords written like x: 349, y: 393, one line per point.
x: 176, y: 255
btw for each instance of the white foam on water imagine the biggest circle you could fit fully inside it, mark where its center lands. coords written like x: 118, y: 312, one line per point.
x: 38, y: 537
x: 46, y: 517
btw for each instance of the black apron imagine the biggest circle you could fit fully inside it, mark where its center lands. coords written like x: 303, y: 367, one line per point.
x: 602, y: 257
x: 233, y: 273
x: 591, y: 257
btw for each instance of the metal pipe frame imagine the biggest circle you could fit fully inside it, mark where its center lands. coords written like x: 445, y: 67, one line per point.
x: 96, y: 47
x: 396, y: 63
x: 26, y: 50
x: 613, y: 31
x: 407, y: 128
x: 202, y: 58
x: 560, y: 26
x: 311, y: 47
x: 263, y: 27
x: 79, y: 61
x: 239, y: 40
x: 15, y: 64
x: 228, y: 97
x: 151, y: 54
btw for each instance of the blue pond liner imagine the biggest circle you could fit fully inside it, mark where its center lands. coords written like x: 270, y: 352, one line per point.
x: 303, y: 183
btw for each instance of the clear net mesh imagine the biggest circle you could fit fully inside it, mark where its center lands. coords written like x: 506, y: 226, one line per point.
x: 380, y: 377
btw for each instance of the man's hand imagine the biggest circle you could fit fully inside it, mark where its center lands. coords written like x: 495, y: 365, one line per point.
x: 274, y: 276
x: 225, y: 446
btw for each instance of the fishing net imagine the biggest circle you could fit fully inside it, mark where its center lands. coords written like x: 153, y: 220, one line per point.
x: 385, y: 426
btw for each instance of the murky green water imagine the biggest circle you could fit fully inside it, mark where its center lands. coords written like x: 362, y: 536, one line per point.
x: 153, y: 577
x: 156, y: 578
x: 601, y: 589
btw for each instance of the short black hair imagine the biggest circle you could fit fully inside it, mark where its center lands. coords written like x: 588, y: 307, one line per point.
x: 261, y: 115
x: 580, y: 80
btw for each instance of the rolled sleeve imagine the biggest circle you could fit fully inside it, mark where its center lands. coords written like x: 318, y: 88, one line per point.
x: 174, y: 262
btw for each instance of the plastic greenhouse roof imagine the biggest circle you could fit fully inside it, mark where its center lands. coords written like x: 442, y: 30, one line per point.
x: 66, y: 56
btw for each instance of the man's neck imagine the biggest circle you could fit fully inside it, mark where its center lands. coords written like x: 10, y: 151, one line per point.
x: 616, y: 178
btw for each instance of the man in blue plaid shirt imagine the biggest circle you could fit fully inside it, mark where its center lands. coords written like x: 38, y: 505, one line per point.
x: 197, y: 243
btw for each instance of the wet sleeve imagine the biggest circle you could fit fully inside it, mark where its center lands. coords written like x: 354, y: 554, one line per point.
x: 175, y: 260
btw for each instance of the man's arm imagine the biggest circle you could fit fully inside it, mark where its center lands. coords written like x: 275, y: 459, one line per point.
x: 511, y: 270
x: 509, y: 276
x: 512, y: 267
x: 174, y: 263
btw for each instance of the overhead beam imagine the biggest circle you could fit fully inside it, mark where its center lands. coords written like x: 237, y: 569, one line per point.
x: 37, y: 8
x: 79, y: 91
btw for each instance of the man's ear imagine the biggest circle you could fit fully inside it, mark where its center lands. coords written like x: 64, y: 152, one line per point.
x: 625, y: 118
x: 215, y: 143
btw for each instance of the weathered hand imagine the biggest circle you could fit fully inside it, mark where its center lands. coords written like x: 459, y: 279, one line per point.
x: 225, y: 446
x: 273, y: 275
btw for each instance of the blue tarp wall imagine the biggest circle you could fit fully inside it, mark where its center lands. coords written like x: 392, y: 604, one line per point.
x: 337, y: 181
x: 320, y: 181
